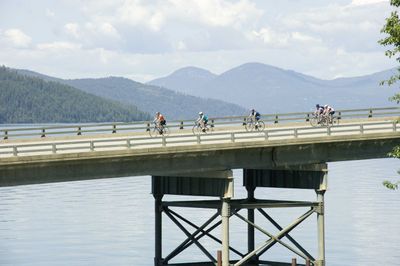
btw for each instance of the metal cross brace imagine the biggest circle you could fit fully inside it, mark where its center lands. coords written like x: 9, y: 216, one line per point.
x: 274, y: 238
x: 195, y: 236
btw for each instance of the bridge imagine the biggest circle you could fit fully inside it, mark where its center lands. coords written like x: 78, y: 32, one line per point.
x: 288, y: 153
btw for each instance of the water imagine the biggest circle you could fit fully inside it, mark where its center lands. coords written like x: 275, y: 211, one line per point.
x: 110, y: 221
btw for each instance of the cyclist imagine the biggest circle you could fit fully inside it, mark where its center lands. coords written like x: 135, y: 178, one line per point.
x: 319, y: 109
x: 202, y: 120
x: 160, y: 121
x: 254, y: 116
x: 329, y: 112
x: 319, y: 112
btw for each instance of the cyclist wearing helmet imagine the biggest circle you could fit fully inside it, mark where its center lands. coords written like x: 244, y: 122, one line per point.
x: 329, y: 111
x: 254, y: 115
x: 319, y: 109
x: 159, y: 119
x: 203, y: 119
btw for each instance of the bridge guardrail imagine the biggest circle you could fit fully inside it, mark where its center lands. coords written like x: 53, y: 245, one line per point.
x: 104, y: 128
x: 185, y: 139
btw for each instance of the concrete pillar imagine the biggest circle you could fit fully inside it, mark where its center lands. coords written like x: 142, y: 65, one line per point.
x: 158, y: 229
x: 225, y: 213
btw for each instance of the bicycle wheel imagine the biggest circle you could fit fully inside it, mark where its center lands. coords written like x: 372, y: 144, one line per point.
x: 260, y: 126
x: 314, y: 121
x: 249, y: 125
x: 165, y: 131
x: 196, y: 129
x: 154, y: 132
x: 335, y: 121
x: 324, y: 121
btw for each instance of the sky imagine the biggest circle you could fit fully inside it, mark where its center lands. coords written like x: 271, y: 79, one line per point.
x: 147, y: 39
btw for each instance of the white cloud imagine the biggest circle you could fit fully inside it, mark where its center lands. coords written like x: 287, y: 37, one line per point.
x: 366, y: 2
x: 49, y: 13
x: 72, y: 29
x: 304, y: 38
x: 17, y: 38
x: 134, y: 13
x: 103, y: 28
x: 271, y: 37
x: 58, y: 46
x: 216, y: 13
x: 284, y: 39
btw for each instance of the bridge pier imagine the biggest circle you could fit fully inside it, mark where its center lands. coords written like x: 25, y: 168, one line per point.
x: 220, y: 184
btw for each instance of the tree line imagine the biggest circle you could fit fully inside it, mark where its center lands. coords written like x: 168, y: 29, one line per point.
x: 26, y: 99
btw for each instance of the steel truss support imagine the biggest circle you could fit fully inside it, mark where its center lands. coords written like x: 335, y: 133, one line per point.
x: 251, y: 257
x: 313, y: 177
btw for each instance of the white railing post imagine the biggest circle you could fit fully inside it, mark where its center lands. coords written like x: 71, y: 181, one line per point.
x: 362, y: 129
x: 328, y: 130
x: 232, y: 137
x: 164, y: 141
x: 128, y: 143
x: 198, y: 139
x: 394, y: 125
x: 15, y: 151
x: 91, y: 146
x: 53, y: 148
x: 295, y: 133
x: 266, y: 135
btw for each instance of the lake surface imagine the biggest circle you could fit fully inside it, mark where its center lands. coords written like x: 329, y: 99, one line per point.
x: 110, y: 221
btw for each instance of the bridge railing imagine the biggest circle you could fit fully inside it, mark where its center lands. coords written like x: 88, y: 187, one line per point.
x: 137, y: 142
x: 142, y: 126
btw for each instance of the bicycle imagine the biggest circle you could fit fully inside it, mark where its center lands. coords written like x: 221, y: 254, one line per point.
x: 253, y: 124
x: 323, y: 120
x: 200, y: 128
x: 159, y: 130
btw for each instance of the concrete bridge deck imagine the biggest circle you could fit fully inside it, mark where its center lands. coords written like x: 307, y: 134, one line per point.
x: 27, y: 161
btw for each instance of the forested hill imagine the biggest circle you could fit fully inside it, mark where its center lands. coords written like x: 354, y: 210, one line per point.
x: 26, y: 99
x: 148, y: 98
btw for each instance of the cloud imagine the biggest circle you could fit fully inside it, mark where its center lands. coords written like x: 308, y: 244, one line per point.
x: 17, y: 38
x: 72, y: 29
x: 58, y: 46
x: 200, y: 25
x: 49, y: 13
x: 103, y: 28
x: 134, y: 13
x: 284, y: 39
x: 366, y: 2
x: 216, y: 13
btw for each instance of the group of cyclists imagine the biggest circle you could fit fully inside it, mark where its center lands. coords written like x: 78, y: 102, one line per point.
x: 325, y: 111
x: 160, y: 122
x: 321, y: 111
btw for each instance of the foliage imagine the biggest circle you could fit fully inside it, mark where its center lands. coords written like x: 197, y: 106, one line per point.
x: 26, y: 99
x: 392, y: 40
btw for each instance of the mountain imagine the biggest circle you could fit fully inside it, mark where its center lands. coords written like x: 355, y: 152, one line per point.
x: 270, y: 89
x: 189, y: 80
x: 25, y: 99
x: 174, y: 105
